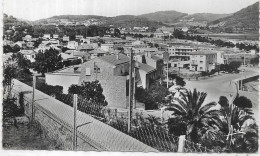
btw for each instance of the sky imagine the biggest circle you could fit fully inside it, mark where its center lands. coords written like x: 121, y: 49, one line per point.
x: 39, y: 9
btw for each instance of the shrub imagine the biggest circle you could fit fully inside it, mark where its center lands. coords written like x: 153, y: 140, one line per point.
x: 223, y: 101
x: 243, y: 102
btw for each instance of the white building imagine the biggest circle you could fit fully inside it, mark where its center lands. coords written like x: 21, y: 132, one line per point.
x: 203, y: 60
x: 106, y: 47
x: 72, y: 45
x: 180, y: 55
x: 28, y: 54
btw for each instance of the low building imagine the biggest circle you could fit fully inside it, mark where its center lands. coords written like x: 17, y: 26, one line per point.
x: 64, y: 77
x: 78, y: 37
x: 47, y: 36
x: 107, y: 47
x: 72, y: 45
x: 150, y: 68
x: 203, y: 61
x: 85, y: 48
x: 97, y: 53
x: 66, y: 38
x: 55, y: 36
x: 28, y: 54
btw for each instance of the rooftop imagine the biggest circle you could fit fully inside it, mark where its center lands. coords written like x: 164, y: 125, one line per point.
x: 145, y: 67
x: 70, y: 70
x: 203, y: 52
x: 113, y: 60
x: 27, y: 52
x: 84, y: 46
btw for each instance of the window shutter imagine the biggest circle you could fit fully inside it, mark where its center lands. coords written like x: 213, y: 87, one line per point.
x: 88, y: 71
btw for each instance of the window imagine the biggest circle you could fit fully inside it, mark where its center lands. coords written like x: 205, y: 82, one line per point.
x: 32, y: 56
x: 88, y: 71
x: 201, y: 68
x: 96, y: 70
x: 201, y: 61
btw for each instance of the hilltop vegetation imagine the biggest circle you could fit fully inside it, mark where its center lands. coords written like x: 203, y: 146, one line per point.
x: 204, y: 17
x: 247, y: 18
x: 164, y: 16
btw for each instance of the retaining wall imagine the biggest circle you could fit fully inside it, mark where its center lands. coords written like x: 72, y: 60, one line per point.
x: 56, y: 120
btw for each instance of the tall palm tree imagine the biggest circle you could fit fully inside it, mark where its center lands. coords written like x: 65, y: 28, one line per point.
x: 190, y: 106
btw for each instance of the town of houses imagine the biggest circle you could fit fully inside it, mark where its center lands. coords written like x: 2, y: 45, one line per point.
x: 108, y: 62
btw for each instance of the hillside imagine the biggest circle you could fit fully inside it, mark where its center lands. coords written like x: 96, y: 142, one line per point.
x: 246, y: 19
x: 164, y: 16
x: 117, y: 21
x: 11, y: 21
x: 131, y: 21
x: 208, y: 17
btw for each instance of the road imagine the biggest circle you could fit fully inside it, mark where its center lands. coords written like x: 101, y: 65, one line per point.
x: 221, y: 85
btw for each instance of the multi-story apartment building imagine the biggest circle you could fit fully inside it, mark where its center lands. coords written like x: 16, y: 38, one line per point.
x: 180, y: 55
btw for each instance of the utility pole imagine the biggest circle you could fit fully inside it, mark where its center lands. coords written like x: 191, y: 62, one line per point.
x: 244, y: 60
x: 130, y: 93
x: 75, y: 101
x: 167, y: 74
x: 33, y: 96
x: 134, y: 100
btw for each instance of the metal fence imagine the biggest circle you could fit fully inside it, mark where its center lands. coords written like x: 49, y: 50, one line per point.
x: 150, y: 130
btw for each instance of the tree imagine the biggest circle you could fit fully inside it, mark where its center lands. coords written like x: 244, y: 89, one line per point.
x: 117, y: 33
x: 255, y: 61
x: 189, y: 107
x: 143, y: 96
x: 234, y: 65
x: 223, y: 101
x: 243, y: 102
x: 90, y: 91
x: 47, y: 61
x: 180, y: 81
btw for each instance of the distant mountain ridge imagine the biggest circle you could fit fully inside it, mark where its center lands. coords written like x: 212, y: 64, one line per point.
x: 247, y: 18
x: 164, y: 16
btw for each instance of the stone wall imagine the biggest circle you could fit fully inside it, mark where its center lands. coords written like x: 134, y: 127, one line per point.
x: 56, y: 120
x: 51, y: 126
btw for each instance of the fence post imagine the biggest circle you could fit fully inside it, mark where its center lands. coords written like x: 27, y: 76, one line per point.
x: 75, y: 101
x: 181, y: 143
x: 33, y: 96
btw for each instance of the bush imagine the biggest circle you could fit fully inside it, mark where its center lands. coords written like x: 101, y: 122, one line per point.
x: 10, y: 109
x: 177, y: 126
x: 90, y: 91
x: 143, y: 96
x: 180, y: 81
x: 223, y: 101
x: 49, y: 89
x: 243, y: 102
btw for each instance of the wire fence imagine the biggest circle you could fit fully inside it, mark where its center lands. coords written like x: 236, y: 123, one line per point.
x: 149, y: 130
x: 191, y: 147
x: 146, y: 130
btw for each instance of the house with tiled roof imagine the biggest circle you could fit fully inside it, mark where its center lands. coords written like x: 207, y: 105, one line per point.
x: 85, y: 47
x: 97, y: 53
x: 112, y: 72
x: 150, y: 68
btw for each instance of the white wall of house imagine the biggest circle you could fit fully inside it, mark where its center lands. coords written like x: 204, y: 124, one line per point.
x: 220, y: 58
x: 143, y: 78
x: 62, y: 80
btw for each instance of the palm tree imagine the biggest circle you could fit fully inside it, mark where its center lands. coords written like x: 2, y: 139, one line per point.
x: 190, y: 107
x: 233, y: 119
